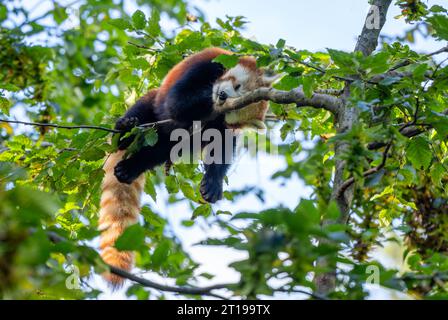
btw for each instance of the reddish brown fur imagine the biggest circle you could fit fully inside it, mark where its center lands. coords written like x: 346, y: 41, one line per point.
x: 249, y: 63
x: 120, y: 202
x: 120, y: 206
x: 175, y: 73
x: 150, y: 96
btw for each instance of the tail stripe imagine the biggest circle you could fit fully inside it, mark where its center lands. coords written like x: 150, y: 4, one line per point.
x: 120, y: 207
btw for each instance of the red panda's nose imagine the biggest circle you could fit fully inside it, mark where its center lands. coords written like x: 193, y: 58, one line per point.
x: 223, y: 96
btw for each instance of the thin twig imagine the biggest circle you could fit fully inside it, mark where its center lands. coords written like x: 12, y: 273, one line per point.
x: 141, y: 46
x: 61, y: 126
x: 408, y: 62
x: 408, y: 130
x: 365, y: 174
x: 205, y: 291
x: 311, y: 294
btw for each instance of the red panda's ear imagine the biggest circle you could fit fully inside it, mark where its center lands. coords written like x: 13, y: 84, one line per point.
x: 269, y: 77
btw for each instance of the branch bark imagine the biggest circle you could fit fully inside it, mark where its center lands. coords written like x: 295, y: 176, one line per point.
x: 82, y: 126
x: 296, y: 96
x: 349, y: 182
x: 203, y: 291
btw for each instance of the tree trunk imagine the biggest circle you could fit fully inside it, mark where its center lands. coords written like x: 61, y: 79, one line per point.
x: 348, y: 116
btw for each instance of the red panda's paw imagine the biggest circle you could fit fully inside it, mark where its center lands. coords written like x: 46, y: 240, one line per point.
x: 211, y: 190
x: 126, y: 123
x: 125, y: 172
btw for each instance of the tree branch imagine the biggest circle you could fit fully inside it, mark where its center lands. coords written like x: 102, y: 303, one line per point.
x: 204, y: 291
x: 296, y: 96
x: 409, y: 130
x: 367, y: 42
x: 61, y: 126
x: 311, y: 294
x: 348, y: 183
x: 408, y: 62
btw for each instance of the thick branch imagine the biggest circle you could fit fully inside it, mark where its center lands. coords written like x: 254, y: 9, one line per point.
x: 296, y: 96
x: 368, y: 40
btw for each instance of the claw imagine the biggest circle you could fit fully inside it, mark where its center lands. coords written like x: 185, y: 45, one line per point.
x: 123, y: 174
x: 211, y: 190
x: 126, y: 123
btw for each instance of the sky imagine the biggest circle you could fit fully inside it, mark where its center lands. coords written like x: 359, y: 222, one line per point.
x: 312, y: 25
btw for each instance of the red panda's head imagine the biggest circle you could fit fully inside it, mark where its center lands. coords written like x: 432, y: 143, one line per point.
x: 237, y: 81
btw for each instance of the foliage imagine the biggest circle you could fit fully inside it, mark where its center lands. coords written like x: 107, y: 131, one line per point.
x: 90, y: 72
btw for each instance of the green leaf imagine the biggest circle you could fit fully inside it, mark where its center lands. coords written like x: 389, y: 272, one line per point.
x: 188, y: 191
x: 228, y: 61
x: 150, y: 188
x: 171, y: 184
x: 4, y: 105
x: 419, y: 153
x: 59, y: 14
x: 160, y: 254
x: 139, y: 20
x: 154, y: 23
x: 440, y: 25
x: 93, y: 154
x: 386, y: 191
x: 3, y: 12
x: 35, y: 249
x: 341, y: 58
x: 151, y: 137
x: 118, y: 109
x: 203, y: 211
x: 389, y: 81
x: 419, y: 71
x: 138, y: 291
x: 281, y: 43
x: 308, y: 86
x: 133, y: 238
x: 285, y: 130
x: 120, y: 23
x: 437, y: 9
x: 437, y: 173
x: 140, y: 63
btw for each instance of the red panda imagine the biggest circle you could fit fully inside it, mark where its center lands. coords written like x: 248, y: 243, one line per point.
x: 190, y: 91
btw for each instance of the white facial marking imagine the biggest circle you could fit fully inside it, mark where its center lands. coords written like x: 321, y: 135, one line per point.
x: 241, y: 76
x: 240, y: 73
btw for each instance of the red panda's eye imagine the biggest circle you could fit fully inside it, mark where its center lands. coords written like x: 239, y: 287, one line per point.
x: 237, y: 87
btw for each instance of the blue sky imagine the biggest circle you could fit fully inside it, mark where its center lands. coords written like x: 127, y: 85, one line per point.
x: 312, y: 25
